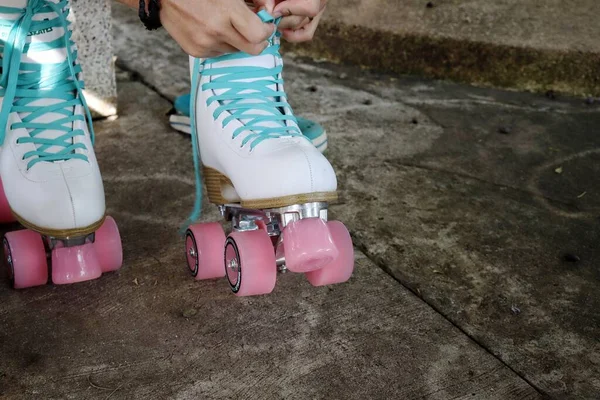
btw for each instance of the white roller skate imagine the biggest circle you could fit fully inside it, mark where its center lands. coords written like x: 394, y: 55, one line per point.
x: 265, y: 176
x: 48, y: 168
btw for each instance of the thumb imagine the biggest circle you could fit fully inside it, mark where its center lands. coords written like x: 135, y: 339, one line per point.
x: 304, y: 8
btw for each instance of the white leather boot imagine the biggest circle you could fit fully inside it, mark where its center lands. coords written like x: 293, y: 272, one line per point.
x: 251, y: 148
x: 47, y: 163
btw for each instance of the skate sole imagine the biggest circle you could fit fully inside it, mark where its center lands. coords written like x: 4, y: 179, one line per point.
x: 60, y: 233
x: 215, y: 181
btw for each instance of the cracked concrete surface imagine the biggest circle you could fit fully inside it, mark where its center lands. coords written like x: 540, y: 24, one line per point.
x: 453, y: 191
x: 465, y: 206
x: 151, y: 331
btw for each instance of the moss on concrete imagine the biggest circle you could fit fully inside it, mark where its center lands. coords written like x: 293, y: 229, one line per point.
x: 482, y: 64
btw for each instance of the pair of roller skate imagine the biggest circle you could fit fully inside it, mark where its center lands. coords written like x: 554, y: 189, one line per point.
x: 267, y: 178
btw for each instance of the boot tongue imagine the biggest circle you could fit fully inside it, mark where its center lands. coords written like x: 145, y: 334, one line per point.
x: 48, y: 57
x: 267, y: 61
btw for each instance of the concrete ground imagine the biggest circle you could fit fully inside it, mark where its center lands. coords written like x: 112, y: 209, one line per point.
x: 474, y: 213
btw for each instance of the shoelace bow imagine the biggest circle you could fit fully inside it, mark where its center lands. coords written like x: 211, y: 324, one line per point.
x: 234, y: 100
x: 23, y: 83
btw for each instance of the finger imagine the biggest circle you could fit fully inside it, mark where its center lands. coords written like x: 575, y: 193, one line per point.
x: 235, y: 39
x: 185, y: 41
x: 267, y: 5
x: 225, y: 48
x: 305, y: 8
x: 296, y: 36
x: 201, y: 53
x: 305, y: 22
x: 304, y: 34
x: 293, y: 22
x: 250, y: 26
x: 211, y: 54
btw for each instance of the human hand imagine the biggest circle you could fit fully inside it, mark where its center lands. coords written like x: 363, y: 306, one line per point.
x: 300, y: 17
x: 210, y: 28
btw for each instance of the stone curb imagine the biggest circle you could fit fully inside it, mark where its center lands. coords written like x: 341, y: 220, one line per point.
x: 477, y: 63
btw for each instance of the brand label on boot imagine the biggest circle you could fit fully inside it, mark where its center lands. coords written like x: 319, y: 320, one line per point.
x: 41, y: 31
x: 5, y: 31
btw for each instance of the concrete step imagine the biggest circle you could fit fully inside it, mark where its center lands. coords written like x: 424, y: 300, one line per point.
x: 492, y: 43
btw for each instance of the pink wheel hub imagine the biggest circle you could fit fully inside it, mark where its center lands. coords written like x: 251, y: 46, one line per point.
x: 340, y: 269
x: 25, y: 257
x: 108, y: 246
x: 250, y: 263
x: 204, y: 250
x: 308, y: 245
x: 75, y: 264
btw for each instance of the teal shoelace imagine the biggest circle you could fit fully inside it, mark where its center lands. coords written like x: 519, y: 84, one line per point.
x: 23, y: 83
x: 234, y: 100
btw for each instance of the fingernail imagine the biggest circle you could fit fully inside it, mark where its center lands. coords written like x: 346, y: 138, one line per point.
x: 276, y: 13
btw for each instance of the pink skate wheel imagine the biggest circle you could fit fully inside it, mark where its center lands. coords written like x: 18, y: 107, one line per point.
x: 25, y: 257
x: 250, y: 263
x: 204, y: 250
x: 340, y: 269
x: 308, y: 245
x: 5, y: 213
x: 75, y: 264
x: 108, y: 246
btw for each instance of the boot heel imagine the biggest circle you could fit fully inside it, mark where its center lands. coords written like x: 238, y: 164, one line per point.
x: 215, y: 181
